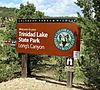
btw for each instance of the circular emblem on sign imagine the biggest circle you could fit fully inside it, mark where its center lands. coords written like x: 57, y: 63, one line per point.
x: 64, y: 39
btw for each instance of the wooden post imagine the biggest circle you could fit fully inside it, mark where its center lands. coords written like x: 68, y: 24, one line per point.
x: 24, y: 66
x: 28, y: 66
x: 69, y: 79
x: 69, y: 67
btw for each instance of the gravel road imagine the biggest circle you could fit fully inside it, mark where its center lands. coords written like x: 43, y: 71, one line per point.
x: 31, y: 84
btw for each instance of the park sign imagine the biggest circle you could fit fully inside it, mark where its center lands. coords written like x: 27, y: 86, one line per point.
x: 57, y: 37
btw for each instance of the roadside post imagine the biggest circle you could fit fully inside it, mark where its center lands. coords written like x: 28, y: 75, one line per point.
x: 28, y: 65
x: 69, y: 69
x: 24, y: 66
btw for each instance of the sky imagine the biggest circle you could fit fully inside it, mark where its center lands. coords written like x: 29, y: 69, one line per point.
x: 49, y: 7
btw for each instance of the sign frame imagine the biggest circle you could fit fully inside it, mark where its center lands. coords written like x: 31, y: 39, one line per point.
x: 68, y: 24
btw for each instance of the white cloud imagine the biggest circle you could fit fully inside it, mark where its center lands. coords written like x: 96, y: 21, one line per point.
x: 50, y: 7
x: 11, y: 4
x: 55, y: 7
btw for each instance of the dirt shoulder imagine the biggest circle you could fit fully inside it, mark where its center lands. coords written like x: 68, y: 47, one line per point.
x: 32, y: 84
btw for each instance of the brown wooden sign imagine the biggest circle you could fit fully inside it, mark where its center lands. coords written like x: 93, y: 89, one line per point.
x: 46, y: 36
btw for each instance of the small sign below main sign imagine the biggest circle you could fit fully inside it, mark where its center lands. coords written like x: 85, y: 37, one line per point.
x: 69, y: 62
x: 76, y: 54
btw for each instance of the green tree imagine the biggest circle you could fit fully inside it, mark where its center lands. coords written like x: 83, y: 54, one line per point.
x: 9, y: 63
x: 90, y: 32
x: 96, y: 7
x: 39, y: 14
x: 28, y: 11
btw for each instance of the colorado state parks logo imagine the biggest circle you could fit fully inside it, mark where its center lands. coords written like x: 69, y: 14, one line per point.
x: 64, y: 39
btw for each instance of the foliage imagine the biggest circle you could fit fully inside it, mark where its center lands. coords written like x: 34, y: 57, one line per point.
x: 8, y: 69
x: 6, y: 12
x: 90, y: 32
x: 87, y: 7
x: 9, y: 63
x: 96, y: 7
x: 78, y: 74
x: 28, y: 11
x: 60, y: 72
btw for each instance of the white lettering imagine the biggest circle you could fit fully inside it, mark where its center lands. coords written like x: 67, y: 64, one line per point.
x: 23, y: 39
x: 27, y: 34
x: 42, y: 34
x: 25, y: 46
x: 35, y: 40
x: 36, y: 47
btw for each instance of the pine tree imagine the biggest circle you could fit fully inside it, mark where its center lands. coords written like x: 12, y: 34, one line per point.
x: 90, y: 32
x: 96, y: 7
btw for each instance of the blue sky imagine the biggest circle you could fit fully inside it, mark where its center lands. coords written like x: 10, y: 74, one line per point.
x: 49, y: 7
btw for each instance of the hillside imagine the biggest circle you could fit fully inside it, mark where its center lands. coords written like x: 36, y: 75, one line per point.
x: 6, y: 12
